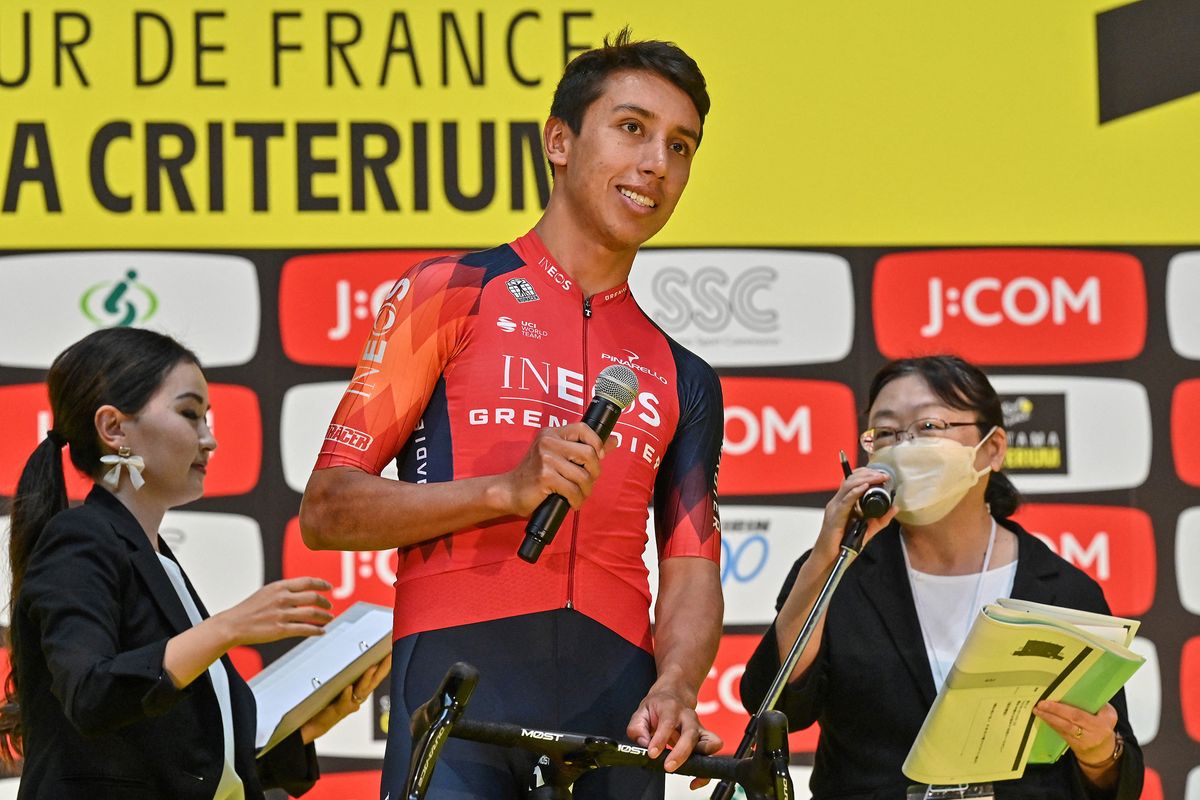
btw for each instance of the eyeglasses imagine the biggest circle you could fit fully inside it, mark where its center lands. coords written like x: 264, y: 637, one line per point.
x: 873, y: 439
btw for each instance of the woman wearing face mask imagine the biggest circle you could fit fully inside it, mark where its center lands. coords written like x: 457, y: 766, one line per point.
x: 120, y: 686
x: 902, y: 611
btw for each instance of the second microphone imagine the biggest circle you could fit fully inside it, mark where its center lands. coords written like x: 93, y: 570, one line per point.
x: 616, y: 387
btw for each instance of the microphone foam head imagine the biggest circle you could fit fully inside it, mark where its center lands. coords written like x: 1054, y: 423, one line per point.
x: 890, y: 483
x: 618, y: 384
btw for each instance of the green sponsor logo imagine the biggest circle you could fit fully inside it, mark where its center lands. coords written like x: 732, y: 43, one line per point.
x: 119, y: 304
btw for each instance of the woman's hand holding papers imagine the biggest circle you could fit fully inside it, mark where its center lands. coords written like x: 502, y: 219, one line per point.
x: 1091, y: 737
x: 347, y: 702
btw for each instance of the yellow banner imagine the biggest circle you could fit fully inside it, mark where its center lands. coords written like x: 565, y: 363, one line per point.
x: 372, y: 124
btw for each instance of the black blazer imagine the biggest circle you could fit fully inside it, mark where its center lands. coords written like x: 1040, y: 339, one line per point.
x: 871, y: 684
x: 100, y: 717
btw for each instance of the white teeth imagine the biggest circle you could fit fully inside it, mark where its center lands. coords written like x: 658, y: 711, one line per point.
x: 640, y: 199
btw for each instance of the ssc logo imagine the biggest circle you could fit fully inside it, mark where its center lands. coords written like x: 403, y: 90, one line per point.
x: 749, y: 307
x: 120, y: 303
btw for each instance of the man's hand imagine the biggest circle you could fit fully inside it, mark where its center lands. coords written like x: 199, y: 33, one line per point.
x: 563, y: 461
x: 666, y: 718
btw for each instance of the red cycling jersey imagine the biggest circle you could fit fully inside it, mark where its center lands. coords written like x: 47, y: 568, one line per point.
x: 469, y: 357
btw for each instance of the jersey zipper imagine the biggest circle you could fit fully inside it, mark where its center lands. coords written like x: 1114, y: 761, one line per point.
x: 587, y: 315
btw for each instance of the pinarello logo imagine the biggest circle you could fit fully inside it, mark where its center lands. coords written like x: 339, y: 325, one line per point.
x: 1113, y: 545
x: 719, y: 703
x: 1011, y: 306
x: 1189, y: 687
x: 1185, y: 431
x: 346, y: 786
x: 782, y: 436
x: 367, y: 576
x: 327, y: 303
x: 235, y: 420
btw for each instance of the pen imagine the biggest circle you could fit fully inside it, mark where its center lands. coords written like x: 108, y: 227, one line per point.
x: 845, y: 463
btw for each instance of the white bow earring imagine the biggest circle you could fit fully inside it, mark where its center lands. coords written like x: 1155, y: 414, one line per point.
x: 134, y: 464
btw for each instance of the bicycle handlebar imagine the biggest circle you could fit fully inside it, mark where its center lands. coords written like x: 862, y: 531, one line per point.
x: 764, y: 775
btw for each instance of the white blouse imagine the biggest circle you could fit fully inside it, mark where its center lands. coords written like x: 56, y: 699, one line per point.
x: 230, y: 787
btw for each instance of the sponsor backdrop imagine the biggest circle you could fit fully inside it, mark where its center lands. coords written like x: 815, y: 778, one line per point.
x: 1014, y: 183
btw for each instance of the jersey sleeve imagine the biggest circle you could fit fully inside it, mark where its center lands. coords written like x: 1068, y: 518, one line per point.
x: 687, y: 521
x: 419, y: 328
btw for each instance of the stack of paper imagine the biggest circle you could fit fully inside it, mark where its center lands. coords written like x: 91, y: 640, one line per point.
x: 981, y: 726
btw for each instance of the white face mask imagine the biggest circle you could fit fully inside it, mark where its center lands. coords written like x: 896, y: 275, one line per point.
x: 932, y: 476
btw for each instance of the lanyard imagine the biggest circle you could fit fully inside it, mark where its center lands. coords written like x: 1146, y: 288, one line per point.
x: 987, y: 557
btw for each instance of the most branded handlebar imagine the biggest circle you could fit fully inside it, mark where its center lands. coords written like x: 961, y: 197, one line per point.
x: 567, y: 755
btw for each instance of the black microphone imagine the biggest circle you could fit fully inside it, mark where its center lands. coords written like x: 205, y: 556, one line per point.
x: 616, y: 386
x: 878, y: 499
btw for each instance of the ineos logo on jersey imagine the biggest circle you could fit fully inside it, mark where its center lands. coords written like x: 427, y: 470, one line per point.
x: 758, y: 546
x: 1187, y: 559
x: 1112, y: 544
x: 49, y: 301
x: 783, y: 435
x: 1183, y: 287
x: 1104, y: 437
x: 327, y: 302
x: 1185, y: 431
x: 235, y: 421
x: 737, y: 308
x: 555, y: 273
x: 1011, y: 306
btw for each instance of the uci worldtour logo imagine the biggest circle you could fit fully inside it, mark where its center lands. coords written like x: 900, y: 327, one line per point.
x: 120, y: 303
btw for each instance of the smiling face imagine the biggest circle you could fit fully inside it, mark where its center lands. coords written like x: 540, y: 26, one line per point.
x: 172, y: 436
x: 622, y: 174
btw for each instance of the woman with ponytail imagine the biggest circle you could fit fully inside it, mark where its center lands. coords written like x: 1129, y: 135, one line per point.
x: 890, y: 635
x: 120, y: 684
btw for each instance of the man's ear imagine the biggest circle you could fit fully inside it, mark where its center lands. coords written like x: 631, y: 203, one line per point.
x: 109, y: 422
x: 556, y: 139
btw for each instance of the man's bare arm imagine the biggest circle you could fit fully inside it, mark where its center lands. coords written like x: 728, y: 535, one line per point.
x: 348, y: 509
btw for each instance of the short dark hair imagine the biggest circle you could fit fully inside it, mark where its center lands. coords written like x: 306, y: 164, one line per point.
x: 962, y: 385
x: 583, y: 81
